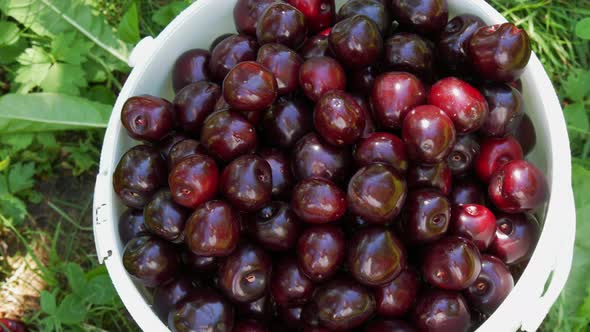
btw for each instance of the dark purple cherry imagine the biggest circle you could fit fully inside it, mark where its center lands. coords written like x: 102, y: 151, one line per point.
x: 247, y: 182
x: 451, y: 263
x: 193, y: 180
x: 389, y: 326
x: 283, y: 63
x: 374, y: 10
x: 384, y: 148
x: 376, y: 193
x: 227, y: 135
x: 202, y: 310
x: 319, y: 75
x: 356, y: 41
x: 138, y: 175
x: 291, y: 317
x: 319, y: 14
x: 338, y: 118
x: 282, y: 178
x: 286, y: 121
x: 362, y: 79
x: 194, y: 103
x: 370, y: 126
x: 506, y: 110
x: 165, y: 145
x: 191, y: 66
x: 408, y: 52
x: 147, y: 117
x: 436, y: 176
x: 491, y: 287
x: 318, y: 201
x: 525, y: 134
x: 131, y: 224
x: 316, y: 46
x: 262, y: 309
x: 151, y: 260
x: 246, y: 14
x: 516, y: 237
x: 453, y: 45
x: 320, y: 251
x: 275, y: 226
x: 183, y: 149
x: 474, y: 222
x: 495, y: 153
x: 427, y: 17
x: 394, y: 94
x: 426, y: 216
x: 500, y: 52
x: 313, y: 157
x: 244, y: 275
x: 229, y: 52
x: 463, y: 154
x: 375, y: 256
x: 164, y: 217
x: 283, y: 24
x: 396, y: 298
x: 168, y: 295
x: 218, y: 40
x: 249, y: 87
x: 289, y: 286
x: 198, y: 263
x: 442, y: 311
x: 213, y: 229
x: 429, y: 134
x: 249, y: 326
x: 467, y: 191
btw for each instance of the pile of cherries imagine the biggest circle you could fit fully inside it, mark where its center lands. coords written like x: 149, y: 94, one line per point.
x: 319, y: 171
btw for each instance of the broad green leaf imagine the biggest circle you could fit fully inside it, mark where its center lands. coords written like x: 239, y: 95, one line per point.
x: 583, y: 28
x: 47, y: 140
x: 64, y: 78
x: 129, y: 25
x: 9, y: 53
x: 34, y: 55
x: 31, y: 76
x: 69, y: 48
x: 576, y: 116
x: 38, y: 112
x: 576, y: 85
x: 167, y: 13
x: 20, y: 177
x: 575, y: 288
x: 48, y: 302
x: 76, y: 278
x: 101, y: 94
x: 8, y: 33
x: 95, y: 73
x: 100, y: 290
x: 13, y: 208
x: 71, y: 310
x: 17, y: 142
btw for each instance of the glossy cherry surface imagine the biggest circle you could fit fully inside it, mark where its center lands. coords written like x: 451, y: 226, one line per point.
x: 463, y: 154
x: 246, y: 14
x: 370, y: 126
x: 165, y: 145
x: 249, y: 326
x: 408, y: 52
x: 138, y: 175
x: 518, y: 186
x: 291, y: 317
x: 491, y: 287
x: 506, y: 109
x: 13, y: 325
x: 283, y: 24
x: 376, y: 193
x: 436, y: 176
x: 319, y: 14
x: 375, y: 256
x: 362, y: 79
x: 203, y: 310
x: 280, y: 167
x: 396, y: 298
x: 319, y: 75
x: 147, y: 117
x: 526, y: 135
x: 164, y: 217
x: 244, y: 275
x: 286, y: 121
x: 229, y: 52
x: 289, y: 286
x: 227, y: 135
x: 389, y: 326
x: 246, y: 182
x: 198, y: 263
x: 468, y: 191
x: 474, y: 222
x: 194, y: 103
x: 194, y: 180
x: 374, y: 10
x: 313, y: 157
x: 249, y: 87
x: 131, y: 224
x: 516, y: 237
x: 384, y: 148
x: 183, y: 149
x: 356, y: 41
x: 500, y: 52
x: 427, y: 17
x: 275, y: 226
x: 453, y: 43
x: 338, y: 118
x: 167, y: 296
x: 213, y: 229
x: 394, y: 94
x: 429, y: 134
x: 320, y: 251
x: 190, y: 67
x: 315, y: 46
x: 495, y: 153
x: 283, y: 63
x: 318, y: 201
x: 426, y: 216
x: 151, y: 260
x: 441, y: 311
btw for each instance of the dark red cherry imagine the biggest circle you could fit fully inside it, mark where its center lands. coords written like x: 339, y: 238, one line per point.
x: 338, y: 118
x: 246, y: 14
x: 427, y: 17
x: 147, y: 117
x: 244, y: 275
x: 283, y: 63
x: 319, y: 75
x: 183, y: 149
x: 291, y: 317
x: 282, y: 178
x: 426, y: 216
x: 218, y: 40
x: 389, y: 326
x: 289, y: 286
x: 474, y: 222
x: 262, y: 309
x: 374, y: 10
x: 375, y: 256
x: 495, y: 153
x: 168, y: 295
x: 283, y: 24
x: 491, y: 287
x: 437, y: 176
x: 318, y: 201
x: 247, y: 182
x: 316, y: 46
x: 227, y: 135
x: 384, y: 148
x: 131, y: 224
x: 500, y: 52
x: 463, y: 154
x: 194, y: 180
x: 194, y: 103
x: 356, y: 41
x: 229, y: 52
x: 408, y: 52
x: 467, y: 191
x: 516, y: 237
x: 396, y: 298
x: 286, y: 121
x: 451, y: 263
x: 202, y: 310
x: 164, y: 217
x: 370, y: 126
x: 442, y: 311
x: 275, y: 226
x: 319, y: 14
x: 198, y: 263
x: 12, y: 325
x: 138, y: 175
x: 249, y: 87
x: 343, y: 305
x: 362, y: 79
x: 463, y: 103
x: 190, y: 67
x: 250, y: 326
x: 376, y: 193
x: 429, y: 134
x: 213, y: 229
x: 165, y: 145
x: 506, y: 110
x: 453, y: 45
x: 525, y: 134
x: 394, y: 94
x: 151, y: 260
x: 320, y: 251
x: 313, y: 157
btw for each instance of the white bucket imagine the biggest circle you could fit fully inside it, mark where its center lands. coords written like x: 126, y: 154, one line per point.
x: 202, y: 22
